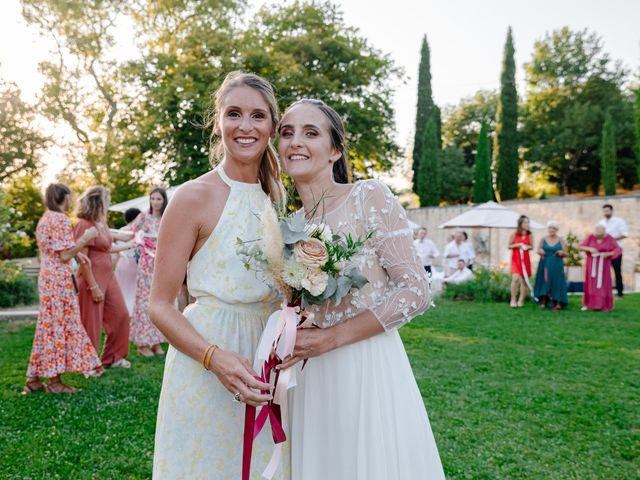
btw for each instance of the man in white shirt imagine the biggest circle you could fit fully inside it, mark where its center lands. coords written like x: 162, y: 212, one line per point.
x: 470, y: 252
x: 617, y: 228
x: 454, y: 251
x: 460, y: 275
x: 425, y: 249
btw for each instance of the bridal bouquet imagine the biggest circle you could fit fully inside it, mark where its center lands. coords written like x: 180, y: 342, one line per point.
x: 307, y: 264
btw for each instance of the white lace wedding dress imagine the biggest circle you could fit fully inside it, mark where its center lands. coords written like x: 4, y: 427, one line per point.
x: 356, y: 412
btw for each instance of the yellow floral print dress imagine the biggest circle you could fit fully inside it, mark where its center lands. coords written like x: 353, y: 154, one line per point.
x: 199, y: 429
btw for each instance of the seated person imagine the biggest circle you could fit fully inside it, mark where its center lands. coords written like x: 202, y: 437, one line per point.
x: 460, y: 275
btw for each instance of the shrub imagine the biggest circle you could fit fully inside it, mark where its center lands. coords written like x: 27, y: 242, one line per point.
x: 574, y: 259
x: 488, y: 285
x: 15, y: 287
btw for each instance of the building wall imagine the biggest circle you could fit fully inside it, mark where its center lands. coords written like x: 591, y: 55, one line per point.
x: 576, y: 215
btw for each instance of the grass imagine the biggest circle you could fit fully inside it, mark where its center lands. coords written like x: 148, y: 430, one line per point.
x: 511, y: 394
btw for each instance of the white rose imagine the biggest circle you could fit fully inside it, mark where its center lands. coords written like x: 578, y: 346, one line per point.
x: 315, y: 282
x: 325, y: 231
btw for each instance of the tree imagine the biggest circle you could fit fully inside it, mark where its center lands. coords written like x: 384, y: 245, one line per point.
x: 608, y: 156
x: 429, y: 174
x: 457, y: 185
x: 84, y: 91
x: 20, y: 141
x: 482, y: 184
x: 425, y: 110
x: 304, y: 49
x: 25, y: 198
x: 461, y: 125
x: 505, y: 153
x: 571, y: 83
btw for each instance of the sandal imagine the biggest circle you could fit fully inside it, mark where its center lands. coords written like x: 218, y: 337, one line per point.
x: 145, y: 351
x: 33, y: 386
x: 157, y: 349
x: 95, y: 373
x: 59, y: 387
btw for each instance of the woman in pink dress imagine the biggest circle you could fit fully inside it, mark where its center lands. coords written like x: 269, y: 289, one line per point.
x: 100, y: 298
x: 61, y: 343
x: 520, y: 244
x: 144, y: 334
x: 600, y: 248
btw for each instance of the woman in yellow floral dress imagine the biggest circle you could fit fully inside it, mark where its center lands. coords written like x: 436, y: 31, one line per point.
x: 199, y: 430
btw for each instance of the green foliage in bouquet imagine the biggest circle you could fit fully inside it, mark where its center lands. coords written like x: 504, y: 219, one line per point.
x: 488, y: 285
x: 15, y: 287
x: 573, y: 259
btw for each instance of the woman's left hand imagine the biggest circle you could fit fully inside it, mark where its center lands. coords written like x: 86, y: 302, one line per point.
x: 310, y: 342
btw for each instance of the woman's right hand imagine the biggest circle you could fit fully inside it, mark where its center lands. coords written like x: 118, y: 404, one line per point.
x: 97, y: 294
x: 88, y: 235
x: 237, y: 375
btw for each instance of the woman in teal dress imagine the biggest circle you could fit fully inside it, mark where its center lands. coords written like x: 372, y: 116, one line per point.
x: 551, y: 285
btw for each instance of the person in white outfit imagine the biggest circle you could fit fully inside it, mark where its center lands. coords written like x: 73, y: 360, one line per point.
x: 617, y: 228
x: 426, y: 249
x: 460, y: 275
x: 356, y: 410
x: 454, y: 251
x: 470, y: 252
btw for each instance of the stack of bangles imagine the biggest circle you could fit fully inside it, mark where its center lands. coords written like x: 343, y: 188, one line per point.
x: 208, y: 355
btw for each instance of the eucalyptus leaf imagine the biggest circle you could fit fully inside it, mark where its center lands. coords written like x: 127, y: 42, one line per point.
x: 357, y: 279
x: 344, y: 285
x: 332, y: 286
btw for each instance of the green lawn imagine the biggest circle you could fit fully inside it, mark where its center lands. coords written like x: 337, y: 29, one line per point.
x: 511, y: 394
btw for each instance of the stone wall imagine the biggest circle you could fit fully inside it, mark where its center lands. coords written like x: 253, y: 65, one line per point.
x: 577, y: 215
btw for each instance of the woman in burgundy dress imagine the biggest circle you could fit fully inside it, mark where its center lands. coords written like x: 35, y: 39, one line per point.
x: 60, y: 343
x: 520, y: 244
x: 600, y: 248
x: 101, y: 301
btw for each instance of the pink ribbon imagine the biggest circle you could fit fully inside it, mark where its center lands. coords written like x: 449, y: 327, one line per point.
x: 276, y: 409
x: 147, y: 247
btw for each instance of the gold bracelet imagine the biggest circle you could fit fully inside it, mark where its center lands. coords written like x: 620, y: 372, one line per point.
x: 207, y: 363
x: 208, y: 353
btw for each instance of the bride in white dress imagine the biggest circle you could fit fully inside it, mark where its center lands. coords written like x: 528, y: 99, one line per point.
x: 199, y: 431
x: 356, y: 413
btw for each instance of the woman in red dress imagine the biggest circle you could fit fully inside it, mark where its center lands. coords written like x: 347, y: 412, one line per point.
x: 101, y: 301
x: 600, y: 248
x: 61, y: 343
x: 520, y: 244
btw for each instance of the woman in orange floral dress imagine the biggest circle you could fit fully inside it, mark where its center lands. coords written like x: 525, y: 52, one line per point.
x: 61, y: 343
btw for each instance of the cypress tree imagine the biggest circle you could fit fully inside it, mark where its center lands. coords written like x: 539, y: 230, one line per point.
x: 425, y: 109
x: 482, y: 184
x: 608, y: 156
x: 429, y: 175
x: 505, y: 151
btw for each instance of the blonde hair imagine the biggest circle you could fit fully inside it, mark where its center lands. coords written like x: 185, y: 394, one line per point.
x: 269, y: 173
x: 553, y: 224
x: 93, y: 203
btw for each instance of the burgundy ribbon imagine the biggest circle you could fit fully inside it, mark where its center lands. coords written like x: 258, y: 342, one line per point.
x: 253, y: 425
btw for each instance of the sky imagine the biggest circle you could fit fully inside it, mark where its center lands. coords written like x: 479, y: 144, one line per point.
x: 466, y: 39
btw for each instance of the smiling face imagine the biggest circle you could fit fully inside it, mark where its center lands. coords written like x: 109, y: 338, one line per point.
x: 157, y: 202
x: 305, y: 144
x: 245, y: 124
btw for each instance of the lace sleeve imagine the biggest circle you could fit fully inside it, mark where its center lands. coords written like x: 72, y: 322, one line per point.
x: 407, y: 291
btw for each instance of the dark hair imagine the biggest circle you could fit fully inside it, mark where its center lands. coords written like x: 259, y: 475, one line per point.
x: 130, y: 214
x: 521, y: 220
x: 54, y: 196
x: 464, y: 234
x: 608, y: 205
x: 338, y: 136
x: 165, y: 200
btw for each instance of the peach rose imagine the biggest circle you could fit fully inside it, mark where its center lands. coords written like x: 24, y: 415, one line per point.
x: 311, y: 253
x: 315, y: 282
